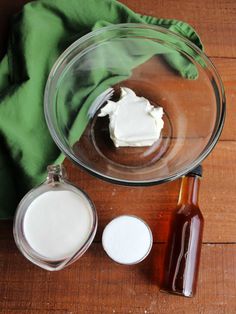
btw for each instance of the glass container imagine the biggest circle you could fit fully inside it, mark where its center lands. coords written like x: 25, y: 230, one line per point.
x: 55, y: 182
x: 165, y: 68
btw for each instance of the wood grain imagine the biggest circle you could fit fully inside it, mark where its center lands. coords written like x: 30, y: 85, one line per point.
x: 95, y: 284
x: 213, y: 20
x: 155, y: 204
x: 227, y: 70
x: 7, y: 9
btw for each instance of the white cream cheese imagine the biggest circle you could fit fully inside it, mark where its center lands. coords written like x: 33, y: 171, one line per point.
x: 133, y: 120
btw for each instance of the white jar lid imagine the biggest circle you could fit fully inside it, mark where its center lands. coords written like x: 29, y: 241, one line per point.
x: 127, y: 239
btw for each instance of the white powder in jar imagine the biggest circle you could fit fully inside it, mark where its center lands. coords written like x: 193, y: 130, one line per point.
x: 127, y: 239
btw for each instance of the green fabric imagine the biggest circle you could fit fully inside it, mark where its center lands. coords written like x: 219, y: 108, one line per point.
x: 39, y: 34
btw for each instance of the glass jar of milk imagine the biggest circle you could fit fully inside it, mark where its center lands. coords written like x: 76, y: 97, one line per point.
x: 55, y: 223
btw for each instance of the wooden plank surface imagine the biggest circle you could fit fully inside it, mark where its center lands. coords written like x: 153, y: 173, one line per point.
x: 94, y: 284
x: 155, y: 204
x: 227, y: 70
x: 97, y: 285
x: 214, y: 20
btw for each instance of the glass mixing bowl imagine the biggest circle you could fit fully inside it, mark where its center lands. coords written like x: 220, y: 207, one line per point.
x: 157, y: 64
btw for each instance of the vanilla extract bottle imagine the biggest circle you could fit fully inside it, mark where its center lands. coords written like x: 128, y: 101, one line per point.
x: 185, y: 239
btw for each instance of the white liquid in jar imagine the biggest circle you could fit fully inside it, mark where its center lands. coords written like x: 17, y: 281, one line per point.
x: 57, y: 223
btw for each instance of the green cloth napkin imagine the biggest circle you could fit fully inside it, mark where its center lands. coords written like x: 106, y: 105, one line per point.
x: 39, y: 34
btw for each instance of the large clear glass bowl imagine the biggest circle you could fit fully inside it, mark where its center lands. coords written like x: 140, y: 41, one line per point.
x: 157, y: 64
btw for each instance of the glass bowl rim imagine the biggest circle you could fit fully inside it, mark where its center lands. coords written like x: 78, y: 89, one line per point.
x: 219, y: 123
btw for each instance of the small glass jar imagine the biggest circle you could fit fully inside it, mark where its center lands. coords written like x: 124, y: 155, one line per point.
x: 55, y: 182
x: 127, y: 239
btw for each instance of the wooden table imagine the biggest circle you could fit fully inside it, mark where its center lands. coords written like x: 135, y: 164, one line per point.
x: 95, y: 284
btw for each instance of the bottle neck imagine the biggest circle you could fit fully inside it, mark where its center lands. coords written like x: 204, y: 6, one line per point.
x: 189, y: 190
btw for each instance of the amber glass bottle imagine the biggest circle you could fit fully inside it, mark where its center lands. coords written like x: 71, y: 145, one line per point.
x: 185, y: 239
